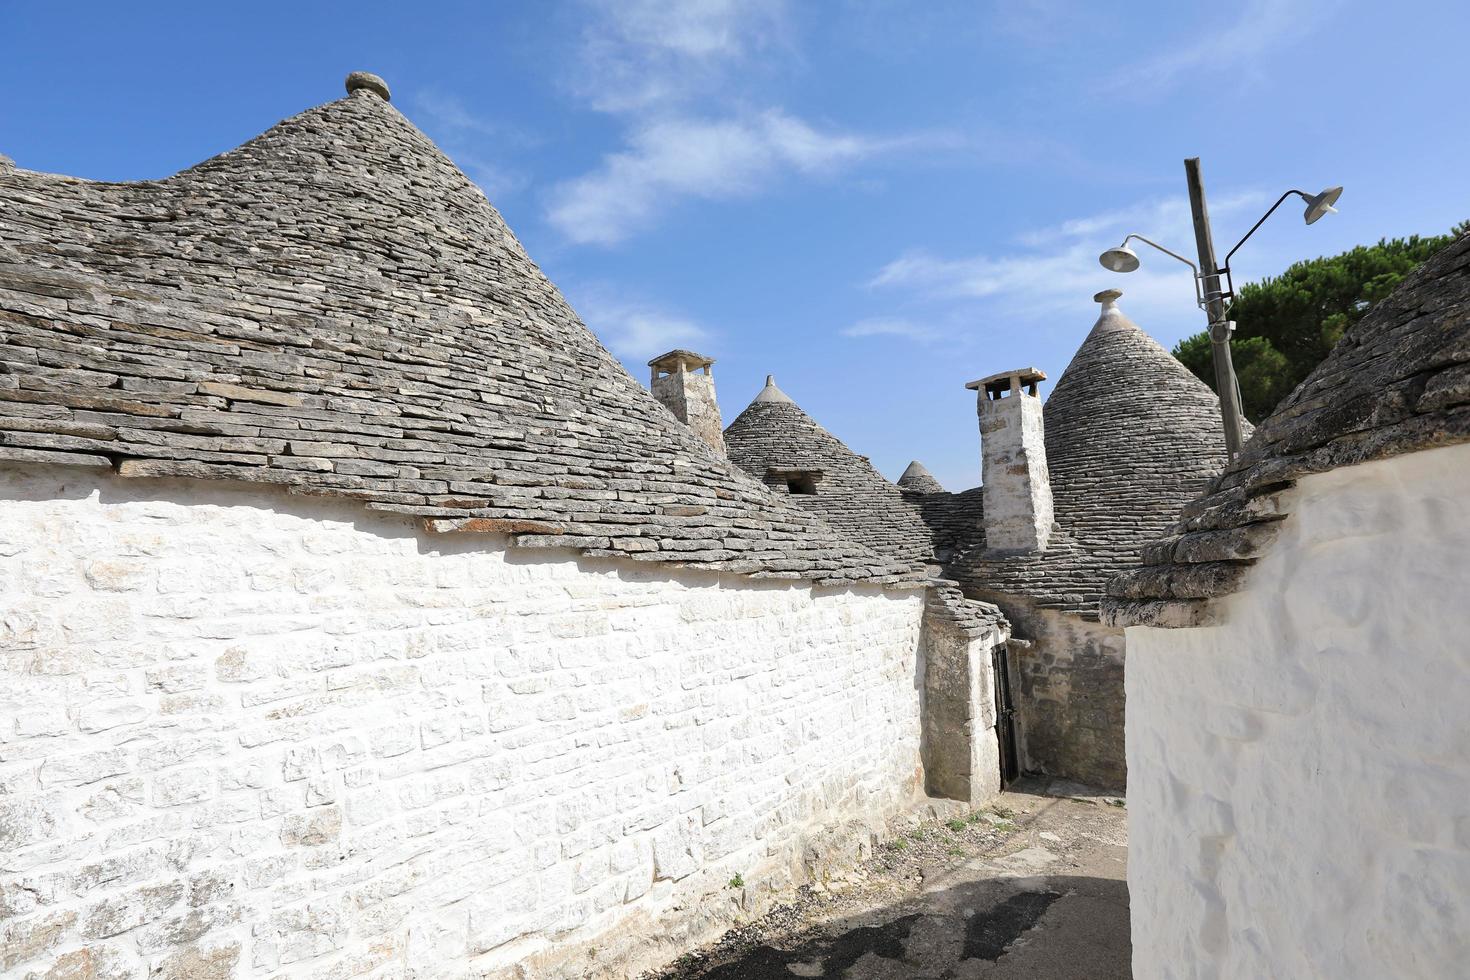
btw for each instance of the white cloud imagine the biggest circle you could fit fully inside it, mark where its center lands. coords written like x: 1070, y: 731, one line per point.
x: 641, y: 53
x: 633, y: 329
x: 890, y: 327
x: 1259, y: 27
x: 696, y: 158
x: 1052, y: 270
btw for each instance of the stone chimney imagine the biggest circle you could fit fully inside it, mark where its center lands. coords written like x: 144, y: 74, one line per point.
x: 690, y: 396
x: 1016, y: 487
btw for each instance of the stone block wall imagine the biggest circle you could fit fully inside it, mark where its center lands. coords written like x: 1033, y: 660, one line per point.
x: 1069, y: 695
x: 961, y: 753
x: 1016, y: 484
x: 1299, y: 785
x: 243, y: 733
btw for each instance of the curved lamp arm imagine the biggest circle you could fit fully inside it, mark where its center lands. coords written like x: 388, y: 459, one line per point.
x: 1198, y: 296
x: 1300, y: 194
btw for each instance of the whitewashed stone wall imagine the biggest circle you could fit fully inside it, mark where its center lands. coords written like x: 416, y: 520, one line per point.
x: 248, y: 734
x: 1299, y: 777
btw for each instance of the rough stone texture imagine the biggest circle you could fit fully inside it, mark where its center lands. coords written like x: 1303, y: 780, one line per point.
x: 251, y: 733
x: 335, y: 308
x: 1013, y: 472
x: 917, y: 478
x: 366, y: 81
x: 1299, y: 791
x: 774, y: 437
x: 1395, y: 383
x: 961, y: 752
x: 1068, y: 679
x: 683, y: 384
x: 1131, y: 436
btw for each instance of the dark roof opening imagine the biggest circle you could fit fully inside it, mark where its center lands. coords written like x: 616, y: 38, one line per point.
x: 801, y: 484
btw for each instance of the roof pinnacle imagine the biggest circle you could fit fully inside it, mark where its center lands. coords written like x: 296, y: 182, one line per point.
x: 367, y: 81
x: 770, y: 393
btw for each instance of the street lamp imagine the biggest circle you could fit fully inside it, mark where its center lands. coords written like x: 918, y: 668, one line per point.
x: 1208, y: 293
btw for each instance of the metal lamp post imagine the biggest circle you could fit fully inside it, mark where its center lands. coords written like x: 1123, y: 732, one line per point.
x: 1209, y: 294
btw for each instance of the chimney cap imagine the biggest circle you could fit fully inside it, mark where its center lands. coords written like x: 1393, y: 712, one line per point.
x: 674, y: 358
x: 1026, y: 376
x: 1107, y: 296
x: 367, y: 81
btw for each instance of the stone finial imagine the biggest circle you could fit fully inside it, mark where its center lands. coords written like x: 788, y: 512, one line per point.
x: 1110, y: 317
x: 770, y: 393
x: 367, y: 81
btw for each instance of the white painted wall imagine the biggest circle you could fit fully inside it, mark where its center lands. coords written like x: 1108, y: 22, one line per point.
x: 243, y: 732
x: 1299, y: 777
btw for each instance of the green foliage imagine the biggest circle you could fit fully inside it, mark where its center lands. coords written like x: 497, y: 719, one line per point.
x: 738, y: 881
x: 956, y: 825
x: 1286, y: 325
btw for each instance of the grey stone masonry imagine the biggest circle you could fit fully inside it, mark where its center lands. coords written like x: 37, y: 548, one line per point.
x: 683, y: 383
x: 918, y: 479
x: 1131, y: 436
x: 774, y: 440
x: 1397, y: 382
x: 1013, y: 473
x: 334, y: 308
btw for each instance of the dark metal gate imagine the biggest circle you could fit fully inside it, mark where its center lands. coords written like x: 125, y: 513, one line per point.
x: 1005, y: 725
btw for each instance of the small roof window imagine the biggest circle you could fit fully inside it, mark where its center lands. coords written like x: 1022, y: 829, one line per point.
x: 796, y: 480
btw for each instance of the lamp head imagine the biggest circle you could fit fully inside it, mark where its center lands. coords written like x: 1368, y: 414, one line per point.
x: 1120, y: 259
x: 1320, y: 204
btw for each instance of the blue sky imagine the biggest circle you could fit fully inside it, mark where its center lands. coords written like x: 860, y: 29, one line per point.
x: 876, y: 201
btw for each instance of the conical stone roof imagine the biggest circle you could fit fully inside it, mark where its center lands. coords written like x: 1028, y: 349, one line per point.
x: 774, y: 440
x: 1131, y: 436
x: 335, y: 308
x: 1397, y: 382
x: 916, y: 477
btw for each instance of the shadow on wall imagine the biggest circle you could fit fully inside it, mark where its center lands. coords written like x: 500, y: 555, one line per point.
x: 112, y: 489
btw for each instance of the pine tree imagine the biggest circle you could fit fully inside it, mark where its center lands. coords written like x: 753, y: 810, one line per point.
x: 1287, y: 324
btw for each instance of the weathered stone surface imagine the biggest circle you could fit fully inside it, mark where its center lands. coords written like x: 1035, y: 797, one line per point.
x: 1131, y: 436
x: 366, y: 81
x: 198, y: 962
x: 352, y: 735
x: 683, y: 384
x: 917, y: 478
x: 335, y: 308
x: 774, y: 436
x: 23, y: 939
x: 1015, y: 484
x: 1394, y: 384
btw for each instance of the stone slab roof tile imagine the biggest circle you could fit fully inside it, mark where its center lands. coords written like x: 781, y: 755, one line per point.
x: 334, y: 308
x: 773, y: 439
x: 1131, y: 435
x: 1395, y: 383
